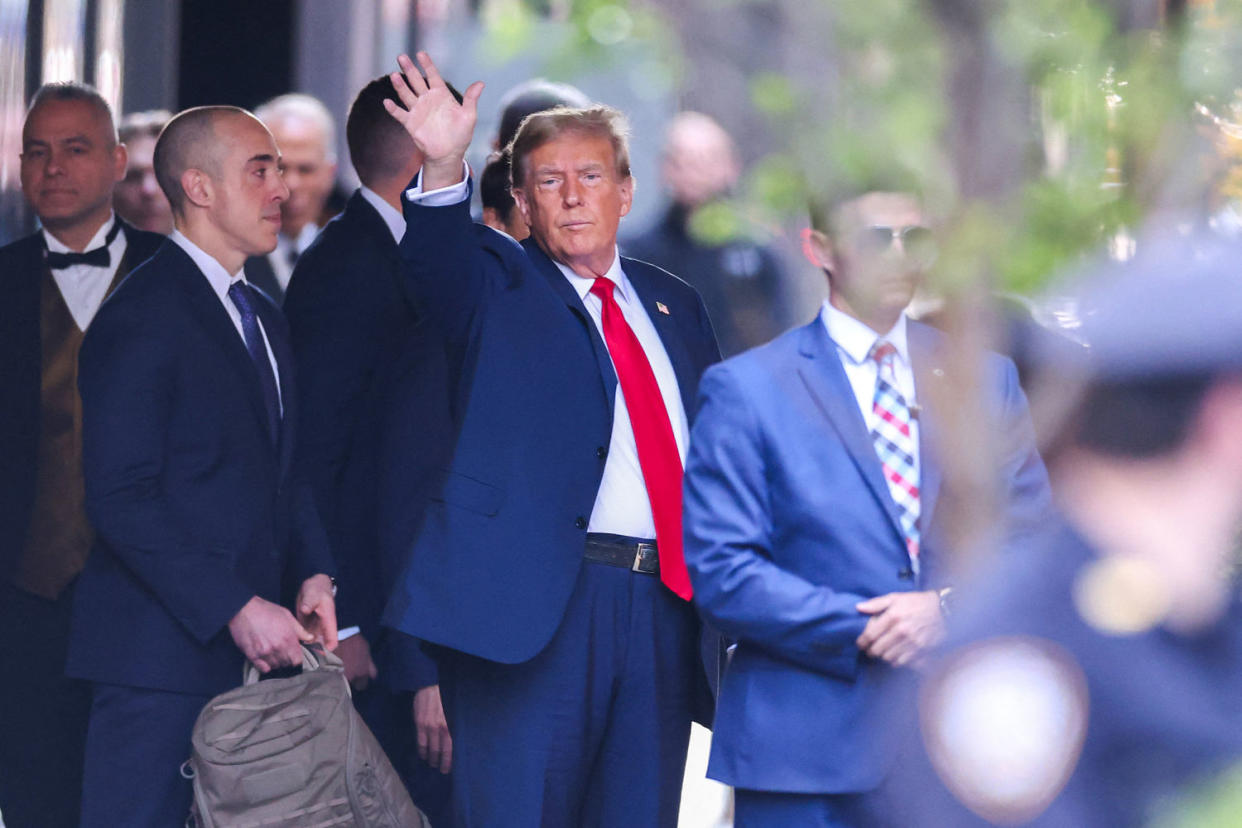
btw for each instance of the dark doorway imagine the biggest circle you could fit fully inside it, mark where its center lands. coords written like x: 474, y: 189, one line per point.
x: 237, y: 52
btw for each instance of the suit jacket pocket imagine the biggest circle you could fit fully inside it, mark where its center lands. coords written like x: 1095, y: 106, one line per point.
x: 468, y: 493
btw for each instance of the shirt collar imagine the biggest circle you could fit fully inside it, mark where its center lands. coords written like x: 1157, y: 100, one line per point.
x: 56, y: 246
x: 855, y: 339
x: 217, y: 276
x: 391, y: 215
x: 286, y: 243
x: 614, y: 274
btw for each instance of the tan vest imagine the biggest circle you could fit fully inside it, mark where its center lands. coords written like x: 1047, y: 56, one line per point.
x: 60, y: 537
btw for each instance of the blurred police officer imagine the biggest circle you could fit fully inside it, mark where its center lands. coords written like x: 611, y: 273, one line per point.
x: 1099, y: 676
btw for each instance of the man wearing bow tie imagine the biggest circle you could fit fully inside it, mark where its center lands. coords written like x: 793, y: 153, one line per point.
x: 812, y: 534
x: 54, y: 281
x: 189, y: 420
x: 548, y: 567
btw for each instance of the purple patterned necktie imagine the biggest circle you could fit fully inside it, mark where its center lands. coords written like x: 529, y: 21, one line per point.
x: 894, y: 444
x: 243, y: 299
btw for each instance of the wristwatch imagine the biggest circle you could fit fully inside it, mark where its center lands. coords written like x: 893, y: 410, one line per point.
x: 333, y: 580
x: 945, y: 602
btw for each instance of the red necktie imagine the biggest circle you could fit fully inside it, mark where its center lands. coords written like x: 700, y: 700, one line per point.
x: 657, y: 448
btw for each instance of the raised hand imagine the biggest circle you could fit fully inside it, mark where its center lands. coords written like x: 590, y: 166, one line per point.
x: 440, y: 127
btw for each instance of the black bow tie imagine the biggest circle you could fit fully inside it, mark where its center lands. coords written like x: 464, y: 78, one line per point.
x: 99, y: 257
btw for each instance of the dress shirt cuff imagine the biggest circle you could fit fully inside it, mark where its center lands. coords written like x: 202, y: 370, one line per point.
x: 348, y: 632
x: 444, y: 196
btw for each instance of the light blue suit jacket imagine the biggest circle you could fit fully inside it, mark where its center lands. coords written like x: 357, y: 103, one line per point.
x: 789, y: 524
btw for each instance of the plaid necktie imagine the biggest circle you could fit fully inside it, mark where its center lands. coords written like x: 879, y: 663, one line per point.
x: 894, y: 444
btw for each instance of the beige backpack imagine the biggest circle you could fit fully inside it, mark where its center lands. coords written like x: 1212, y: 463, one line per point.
x: 294, y: 752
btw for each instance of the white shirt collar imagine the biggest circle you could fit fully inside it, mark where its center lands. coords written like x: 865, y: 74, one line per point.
x: 855, y: 339
x: 391, y: 215
x: 304, y: 238
x: 56, y: 246
x: 583, y: 284
x: 217, y: 276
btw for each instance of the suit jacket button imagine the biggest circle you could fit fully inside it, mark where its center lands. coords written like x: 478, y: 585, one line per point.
x: 580, y: 522
x: 905, y: 574
x: 601, y: 452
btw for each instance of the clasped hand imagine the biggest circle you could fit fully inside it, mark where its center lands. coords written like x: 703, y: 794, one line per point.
x: 901, y: 627
x: 271, y: 637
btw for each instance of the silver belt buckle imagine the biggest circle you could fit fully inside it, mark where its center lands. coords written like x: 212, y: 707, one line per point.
x: 644, y: 549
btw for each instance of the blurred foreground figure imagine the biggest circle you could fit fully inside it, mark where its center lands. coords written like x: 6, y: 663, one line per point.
x: 138, y: 198
x: 740, y: 280
x: 305, y: 134
x: 812, y: 531
x: 1096, y: 678
x: 54, y: 282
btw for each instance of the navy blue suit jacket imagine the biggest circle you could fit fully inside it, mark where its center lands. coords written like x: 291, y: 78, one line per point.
x: 21, y: 372
x: 501, y: 545
x: 375, y: 422
x: 789, y: 524
x: 193, y: 502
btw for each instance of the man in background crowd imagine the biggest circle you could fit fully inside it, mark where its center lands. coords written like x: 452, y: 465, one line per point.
x: 138, y: 198
x: 54, y: 282
x: 741, y: 279
x: 1095, y: 678
x: 375, y: 430
x: 305, y: 133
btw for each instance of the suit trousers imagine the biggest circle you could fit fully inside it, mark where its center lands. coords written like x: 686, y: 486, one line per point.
x: 771, y: 809
x: 591, y: 731
x: 136, y: 744
x: 43, y: 714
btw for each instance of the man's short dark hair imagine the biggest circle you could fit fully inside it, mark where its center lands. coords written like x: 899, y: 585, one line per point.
x: 73, y: 91
x: 494, y: 186
x: 379, y: 147
x: 188, y: 141
x: 824, y: 211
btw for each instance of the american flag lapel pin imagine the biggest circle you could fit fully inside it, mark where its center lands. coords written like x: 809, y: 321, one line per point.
x: 662, y: 308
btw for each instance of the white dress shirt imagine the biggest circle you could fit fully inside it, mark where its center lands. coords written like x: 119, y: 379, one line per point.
x: 220, y: 281
x: 622, y: 506
x: 85, y: 286
x: 279, y: 258
x: 392, y: 217
x: 854, y: 342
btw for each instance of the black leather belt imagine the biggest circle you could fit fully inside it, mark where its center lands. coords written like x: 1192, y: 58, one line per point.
x: 634, y: 554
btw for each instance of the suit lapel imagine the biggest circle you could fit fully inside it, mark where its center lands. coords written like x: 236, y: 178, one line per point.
x: 561, y: 287
x: 207, y: 307
x: 924, y: 360
x: 649, y: 296
x: 825, y: 380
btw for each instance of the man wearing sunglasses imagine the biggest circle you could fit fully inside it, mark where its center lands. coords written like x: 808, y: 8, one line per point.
x: 811, y: 531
